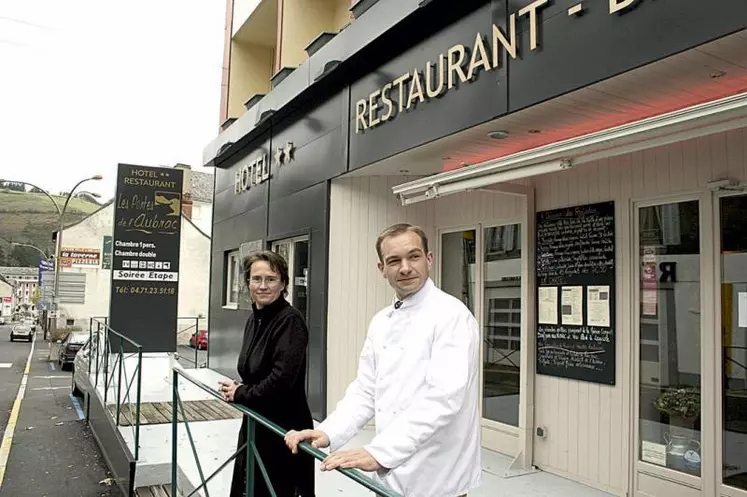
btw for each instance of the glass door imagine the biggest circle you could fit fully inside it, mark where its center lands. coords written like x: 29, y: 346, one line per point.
x: 732, y: 212
x: 482, y: 266
x: 670, y: 324
x: 501, y: 323
x: 295, y: 251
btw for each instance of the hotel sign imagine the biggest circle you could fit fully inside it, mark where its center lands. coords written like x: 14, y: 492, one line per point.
x: 145, y: 256
x: 457, y: 65
x: 257, y: 171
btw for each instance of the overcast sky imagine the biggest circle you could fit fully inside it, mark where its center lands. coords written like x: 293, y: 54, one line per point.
x: 85, y: 84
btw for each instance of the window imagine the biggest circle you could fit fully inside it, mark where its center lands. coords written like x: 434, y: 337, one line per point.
x: 233, y: 279
x: 295, y: 251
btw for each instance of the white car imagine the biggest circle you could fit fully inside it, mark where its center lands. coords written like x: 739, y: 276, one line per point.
x: 21, y: 331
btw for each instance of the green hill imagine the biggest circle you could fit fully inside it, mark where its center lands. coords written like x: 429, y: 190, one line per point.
x: 31, y: 218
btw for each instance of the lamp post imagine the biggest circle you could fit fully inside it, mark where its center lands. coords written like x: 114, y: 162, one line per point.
x: 46, y: 257
x: 58, y: 248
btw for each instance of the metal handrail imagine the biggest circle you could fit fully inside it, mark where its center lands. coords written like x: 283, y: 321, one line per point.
x: 252, y: 419
x: 196, y: 327
x: 103, y: 329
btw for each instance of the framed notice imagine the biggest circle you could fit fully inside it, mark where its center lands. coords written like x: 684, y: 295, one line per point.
x: 145, y: 258
x: 576, y: 293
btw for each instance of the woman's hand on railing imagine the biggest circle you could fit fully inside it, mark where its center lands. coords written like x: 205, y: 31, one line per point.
x: 318, y: 439
x: 228, y: 389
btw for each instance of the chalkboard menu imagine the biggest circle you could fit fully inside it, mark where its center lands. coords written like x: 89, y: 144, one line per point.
x: 576, y: 293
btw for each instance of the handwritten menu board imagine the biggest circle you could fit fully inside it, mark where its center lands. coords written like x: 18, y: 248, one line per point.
x: 576, y: 293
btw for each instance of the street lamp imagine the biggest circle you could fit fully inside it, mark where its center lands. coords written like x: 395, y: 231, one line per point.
x: 61, y: 213
x: 46, y: 257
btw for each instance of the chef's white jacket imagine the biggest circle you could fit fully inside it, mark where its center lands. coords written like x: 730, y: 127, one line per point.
x: 418, y: 376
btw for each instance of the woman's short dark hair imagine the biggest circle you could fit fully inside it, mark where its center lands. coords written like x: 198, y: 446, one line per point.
x: 276, y: 262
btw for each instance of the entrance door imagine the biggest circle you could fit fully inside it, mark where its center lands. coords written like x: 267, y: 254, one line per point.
x: 671, y: 326
x: 691, y: 435
x: 731, y: 434
x: 482, y: 266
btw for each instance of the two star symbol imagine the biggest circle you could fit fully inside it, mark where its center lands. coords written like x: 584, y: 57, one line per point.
x: 283, y: 155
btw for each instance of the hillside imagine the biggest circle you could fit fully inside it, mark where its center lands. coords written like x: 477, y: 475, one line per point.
x: 31, y: 218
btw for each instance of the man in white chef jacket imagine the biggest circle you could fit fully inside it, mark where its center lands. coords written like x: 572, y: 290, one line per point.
x: 418, y: 377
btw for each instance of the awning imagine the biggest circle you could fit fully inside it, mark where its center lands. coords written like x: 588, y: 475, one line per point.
x: 699, y: 120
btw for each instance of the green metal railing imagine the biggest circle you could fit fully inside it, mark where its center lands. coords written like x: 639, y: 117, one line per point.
x: 195, y: 328
x: 250, y: 447
x: 115, y: 372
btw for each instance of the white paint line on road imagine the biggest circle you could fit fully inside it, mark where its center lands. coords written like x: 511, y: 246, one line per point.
x: 11, y: 427
x: 49, y: 388
x: 6, y: 364
x: 81, y: 414
x: 66, y: 377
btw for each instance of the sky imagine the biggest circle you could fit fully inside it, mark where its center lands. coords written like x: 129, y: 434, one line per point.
x: 87, y: 84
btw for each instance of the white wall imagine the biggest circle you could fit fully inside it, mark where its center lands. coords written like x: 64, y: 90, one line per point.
x: 5, y: 291
x: 360, y: 208
x: 193, y: 275
x: 202, y: 216
x: 588, y: 426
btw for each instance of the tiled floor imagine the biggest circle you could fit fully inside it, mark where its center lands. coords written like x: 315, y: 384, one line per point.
x: 215, y: 441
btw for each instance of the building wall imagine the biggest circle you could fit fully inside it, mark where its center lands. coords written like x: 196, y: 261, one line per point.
x: 360, y: 208
x: 588, y: 426
x: 202, y: 216
x: 250, y: 72
x: 193, y: 274
x: 6, y: 291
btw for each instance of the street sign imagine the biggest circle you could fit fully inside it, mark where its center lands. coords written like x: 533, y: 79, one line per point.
x: 106, y: 258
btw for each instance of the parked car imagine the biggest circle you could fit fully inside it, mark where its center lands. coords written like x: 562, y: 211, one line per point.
x: 199, y: 340
x: 21, y: 331
x: 30, y: 322
x: 2, y: 320
x: 69, y: 348
x: 81, y: 381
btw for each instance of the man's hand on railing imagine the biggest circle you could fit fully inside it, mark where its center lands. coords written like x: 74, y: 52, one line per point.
x: 351, y: 459
x: 318, y: 439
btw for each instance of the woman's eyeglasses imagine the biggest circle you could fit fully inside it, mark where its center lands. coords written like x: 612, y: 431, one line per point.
x: 267, y: 280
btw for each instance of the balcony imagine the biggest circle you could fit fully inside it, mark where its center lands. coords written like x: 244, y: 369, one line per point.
x: 271, y: 38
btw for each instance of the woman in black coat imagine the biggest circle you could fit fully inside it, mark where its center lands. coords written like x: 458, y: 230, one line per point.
x: 272, y: 366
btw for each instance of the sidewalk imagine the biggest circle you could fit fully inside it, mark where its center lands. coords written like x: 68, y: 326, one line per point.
x: 53, y: 451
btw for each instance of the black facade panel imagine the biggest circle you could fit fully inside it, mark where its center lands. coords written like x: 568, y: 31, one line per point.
x: 305, y: 213
x: 460, y: 107
x: 320, y: 142
x: 577, y: 51
x: 227, y: 325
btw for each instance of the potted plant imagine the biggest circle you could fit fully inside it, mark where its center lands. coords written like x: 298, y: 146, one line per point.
x: 680, y: 403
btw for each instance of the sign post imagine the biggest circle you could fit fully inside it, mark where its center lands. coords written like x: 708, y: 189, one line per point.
x: 145, y: 258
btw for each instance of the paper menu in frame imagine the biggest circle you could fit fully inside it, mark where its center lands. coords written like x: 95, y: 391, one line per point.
x: 572, y: 301
x: 598, y: 306
x: 548, y: 305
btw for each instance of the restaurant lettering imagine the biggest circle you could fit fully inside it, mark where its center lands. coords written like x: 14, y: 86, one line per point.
x: 457, y: 64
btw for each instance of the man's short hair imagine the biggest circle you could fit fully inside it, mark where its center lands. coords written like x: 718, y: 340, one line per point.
x: 276, y: 262
x: 400, y: 229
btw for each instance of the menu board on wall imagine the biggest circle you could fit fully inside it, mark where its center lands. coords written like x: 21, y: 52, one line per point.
x: 576, y: 293
x: 145, y: 262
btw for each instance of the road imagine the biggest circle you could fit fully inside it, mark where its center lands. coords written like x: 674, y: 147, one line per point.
x: 53, y: 451
x: 187, y: 356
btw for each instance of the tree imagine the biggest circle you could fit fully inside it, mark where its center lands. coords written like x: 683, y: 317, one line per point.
x: 25, y: 257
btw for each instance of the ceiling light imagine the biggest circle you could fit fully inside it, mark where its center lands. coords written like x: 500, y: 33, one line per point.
x: 718, y: 74
x: 498, y: 135
x: 534, y: 131
x: 446, y: 158
x: 404, y: 171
